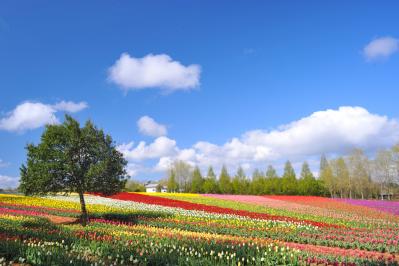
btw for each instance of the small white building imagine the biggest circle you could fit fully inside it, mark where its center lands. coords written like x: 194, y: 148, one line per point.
x: 152, y: 187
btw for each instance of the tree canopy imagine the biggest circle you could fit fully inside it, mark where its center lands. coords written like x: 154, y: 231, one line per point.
x: 210, y: 184
x: 70, y: 158
x: 197, y: 181
x: 288, y: 181
x: 225, y: 185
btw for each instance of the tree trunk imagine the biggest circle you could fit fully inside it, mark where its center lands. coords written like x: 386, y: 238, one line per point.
x: 84, y: 217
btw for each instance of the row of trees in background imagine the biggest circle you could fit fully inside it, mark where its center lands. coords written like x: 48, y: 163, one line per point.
x: 351, y: 176
x: 183, y: 178
x: 356, y: 176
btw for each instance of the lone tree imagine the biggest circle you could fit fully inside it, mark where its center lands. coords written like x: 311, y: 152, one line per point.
x: 70, y: 158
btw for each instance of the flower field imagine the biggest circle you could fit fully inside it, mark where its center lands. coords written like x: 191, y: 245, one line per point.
x: 193, y: 229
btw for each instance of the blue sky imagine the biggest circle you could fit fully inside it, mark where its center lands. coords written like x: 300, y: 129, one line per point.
x: 241, y: 83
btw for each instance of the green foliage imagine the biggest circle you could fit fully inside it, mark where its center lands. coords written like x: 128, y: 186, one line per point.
x: 240, y: 183
x: 272, y: 182
x: 348, y: 176
x: 358, y: 165
x: 225, y: 186
x: 258, y: 184
x: 305, y: 172
x: 210, y: 184
x: 288, y: 181
x: 173, y: 186
x: 197, y: 181
x: 211, y: 173
x: 73, y: 159
x: 133, y: 186
x: 271, y: 172
x: 182, y: 174
x: 159, y: 188
x: 341, y: 175
x: 307, y: 184
x: 327, y: 178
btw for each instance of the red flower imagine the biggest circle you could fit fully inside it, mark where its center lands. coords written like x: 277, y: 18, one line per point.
x: 207, y: 208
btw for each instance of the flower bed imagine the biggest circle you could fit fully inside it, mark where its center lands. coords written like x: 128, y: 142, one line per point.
x: 151, y: 230
x: 207, y: 208
x: 381, y: 205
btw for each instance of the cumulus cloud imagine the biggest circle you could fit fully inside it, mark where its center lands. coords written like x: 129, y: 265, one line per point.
x: 149, y: 127
x: 381, y: 48
x: 163, y: 164
x: 8, y: 181
x: 161, y: 146
x: 133, y: 169
x: 70, y: 107
x: 153, y: 71
x: 28, y: 115
x: 329, y: 131
x: 32, y: 115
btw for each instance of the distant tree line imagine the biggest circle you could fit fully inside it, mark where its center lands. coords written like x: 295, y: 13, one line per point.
x: 134, y: 186
x: 351, y: 176
x: 183, y: 178
x: 357, y: 176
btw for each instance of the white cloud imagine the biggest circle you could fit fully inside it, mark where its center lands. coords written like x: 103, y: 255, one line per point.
x: 133, y: 169
x: 8, y: 181
x: 152, y: 71
x: 148, y: 126
x: 329, y: 131
x: 28, y: 115
x: 163, y: 164
x: 161, y: 146
x: 32, y: 115
x: 70, y: 107
x: 381, y: 48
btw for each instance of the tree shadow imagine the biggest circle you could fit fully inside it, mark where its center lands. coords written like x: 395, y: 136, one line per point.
x: 131, y: 218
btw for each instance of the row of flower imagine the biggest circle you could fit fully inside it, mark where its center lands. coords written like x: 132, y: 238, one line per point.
x: 386, y: 206
x: 187, y: 205
x: 146, y: 229
x: 318, y: 209
x: 372, y: 208
x: 34, y: 240
x: 384, y: 239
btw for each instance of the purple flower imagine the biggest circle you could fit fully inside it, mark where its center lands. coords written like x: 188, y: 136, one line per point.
x: 381, y: 205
